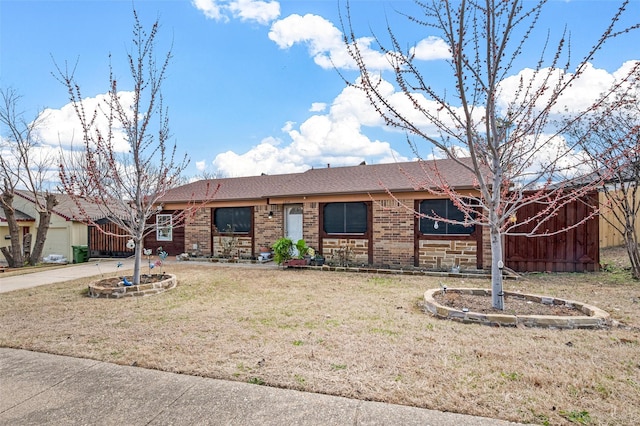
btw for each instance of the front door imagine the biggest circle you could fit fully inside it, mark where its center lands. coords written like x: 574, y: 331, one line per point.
x: 293, y: 224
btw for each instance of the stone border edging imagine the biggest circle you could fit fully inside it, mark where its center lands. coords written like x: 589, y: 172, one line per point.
x: 97, y: 291
x: 594, y: 317
x: 383, y: 271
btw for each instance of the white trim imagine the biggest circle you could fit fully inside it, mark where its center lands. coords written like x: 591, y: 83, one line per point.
x: 164, y: 227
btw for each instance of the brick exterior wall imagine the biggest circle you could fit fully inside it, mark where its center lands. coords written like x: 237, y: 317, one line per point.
x: 266, y: 231
x: 198, y: 233
x: 311, y: 225
x: 392, y: 235
x: 393, y: 230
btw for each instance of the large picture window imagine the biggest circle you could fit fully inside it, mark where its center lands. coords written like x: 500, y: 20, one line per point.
x: 345, y: 218
x: 233, y: 219
x: 446, y: 210
x: 164, y: 227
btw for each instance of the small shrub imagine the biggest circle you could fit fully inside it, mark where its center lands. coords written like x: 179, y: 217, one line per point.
x: 256, y: 381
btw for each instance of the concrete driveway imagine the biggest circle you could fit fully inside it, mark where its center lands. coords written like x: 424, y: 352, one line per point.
x: 64, y: 273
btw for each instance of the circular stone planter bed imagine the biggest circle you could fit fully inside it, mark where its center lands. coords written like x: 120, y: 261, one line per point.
x: 114, y: 288
x: 565, y: 314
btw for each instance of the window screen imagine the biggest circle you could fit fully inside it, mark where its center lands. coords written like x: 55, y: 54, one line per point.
x: 345, y: 218
x: 445, y: 209
x: 233, y: 219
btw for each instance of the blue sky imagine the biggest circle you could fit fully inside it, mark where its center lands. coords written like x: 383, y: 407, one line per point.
x: 250, y: 88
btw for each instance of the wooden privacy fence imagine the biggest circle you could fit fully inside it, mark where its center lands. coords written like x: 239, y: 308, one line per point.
x: 574, y: 250
x: 609, y: 235
x: 105, y: 245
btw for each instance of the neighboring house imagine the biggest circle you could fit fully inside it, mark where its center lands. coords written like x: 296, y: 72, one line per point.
x: 25, y: 222
x: 361, y: 215
x: 66, y: 229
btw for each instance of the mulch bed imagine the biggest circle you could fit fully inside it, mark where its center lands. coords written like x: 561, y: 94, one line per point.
x: 144, y: 279
x: 512, y: 305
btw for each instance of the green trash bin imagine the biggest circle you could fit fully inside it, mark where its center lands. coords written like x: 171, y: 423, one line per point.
x: 80, y: 254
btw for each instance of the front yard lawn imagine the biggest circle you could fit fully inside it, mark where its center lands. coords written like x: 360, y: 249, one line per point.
x: 355, y: 335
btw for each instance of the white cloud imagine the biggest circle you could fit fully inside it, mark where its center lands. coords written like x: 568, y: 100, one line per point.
x: 288, y: 126
x: 61, y: 127
x: 263, y: 158
x: 201, y: 165
x: 262, y: 12
x: 582, y: 93
x: 431, y: 48
x: 334, y: 138
x: 211, y: 9
x: 337, y: 137
x: 318, y: 107
x: 324, y: 42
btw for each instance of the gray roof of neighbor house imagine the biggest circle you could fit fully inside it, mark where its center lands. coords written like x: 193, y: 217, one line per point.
x: 20, y: 216
x: 362, y: 179
x: 67, y: 207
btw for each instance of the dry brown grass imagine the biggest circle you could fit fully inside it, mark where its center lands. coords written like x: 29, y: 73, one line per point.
x: 355, y: 335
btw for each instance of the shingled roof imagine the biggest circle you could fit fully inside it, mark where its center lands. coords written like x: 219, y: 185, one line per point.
x: 67, y: 207
x: 20, y: 216
x: 362, y: 179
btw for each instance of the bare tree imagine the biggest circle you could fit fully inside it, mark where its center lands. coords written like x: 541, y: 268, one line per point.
x: 23, y: 167
x: 516, y: 154
x: 610, y: 137
x: 126, y: 184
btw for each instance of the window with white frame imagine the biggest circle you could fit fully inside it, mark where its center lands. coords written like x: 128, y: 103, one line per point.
x: 164, y: 228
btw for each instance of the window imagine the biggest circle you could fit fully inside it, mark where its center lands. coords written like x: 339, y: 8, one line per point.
x: 447, y: 210
x: 345, y: 218
x: 164, y: 227
x: 233, y: 219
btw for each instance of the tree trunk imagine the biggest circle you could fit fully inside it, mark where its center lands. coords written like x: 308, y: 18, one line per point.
x: 497, y: 296
x: 7, y: 255
x: 137, y: 262
x: 15, y: 258
x: 41, y: 236
x: 631, y: 244
x: 50, y: 202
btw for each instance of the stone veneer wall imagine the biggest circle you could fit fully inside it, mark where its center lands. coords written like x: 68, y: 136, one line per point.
x: 444, y: 254
x: 198, y: 231
x: 486, y: 248
x: 241, y: 250
x: 393, y: 229
x: 358, y: 250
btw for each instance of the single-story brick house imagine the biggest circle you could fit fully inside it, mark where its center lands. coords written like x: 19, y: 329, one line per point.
x: 336, y: 210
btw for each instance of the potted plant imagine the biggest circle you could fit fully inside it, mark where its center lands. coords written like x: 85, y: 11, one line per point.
x: 316, y: 258
x: 265, y: 252
x: 303, y: 251
x: 282, y: 250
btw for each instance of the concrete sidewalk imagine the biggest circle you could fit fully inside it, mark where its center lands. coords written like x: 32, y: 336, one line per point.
x: 38, y: 389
